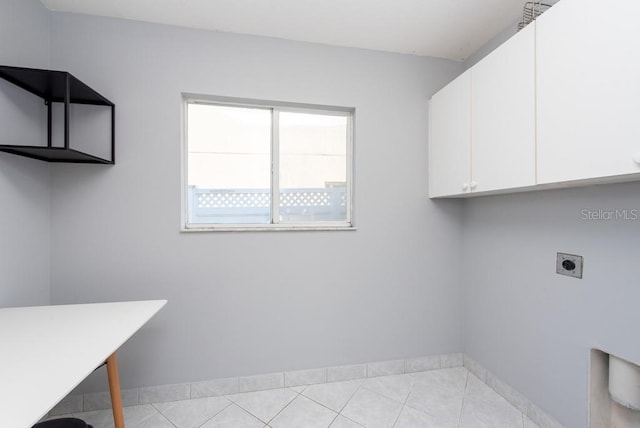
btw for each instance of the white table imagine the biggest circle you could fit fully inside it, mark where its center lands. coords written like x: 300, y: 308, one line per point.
x: 46, y: 351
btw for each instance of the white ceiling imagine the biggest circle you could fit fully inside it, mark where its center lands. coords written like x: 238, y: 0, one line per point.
x: 452, y: 29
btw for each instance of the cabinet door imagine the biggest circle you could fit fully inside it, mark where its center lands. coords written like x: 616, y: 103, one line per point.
x: 503, y: 150
x: 450, y: 138
x: 588, y: 89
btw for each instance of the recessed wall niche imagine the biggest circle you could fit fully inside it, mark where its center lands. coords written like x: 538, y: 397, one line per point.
x: 614, y: 391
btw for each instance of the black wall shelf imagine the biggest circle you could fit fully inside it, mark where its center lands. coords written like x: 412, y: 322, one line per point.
x: 57, y: 87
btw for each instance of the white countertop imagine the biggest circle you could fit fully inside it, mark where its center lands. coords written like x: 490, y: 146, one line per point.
x: 46, y: 351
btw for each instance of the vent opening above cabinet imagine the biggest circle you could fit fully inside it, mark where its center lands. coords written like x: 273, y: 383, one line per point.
x: 77, y: 118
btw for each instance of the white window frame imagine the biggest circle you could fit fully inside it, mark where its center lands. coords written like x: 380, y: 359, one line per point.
x: 274, y: 106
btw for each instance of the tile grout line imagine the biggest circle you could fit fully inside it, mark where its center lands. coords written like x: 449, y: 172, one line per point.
x: 333, y: 420
x: 281, y: 410
x: 388, y: 397
x: 220, y: 411
x: 250, y: 414
x: 379, y: 395
x: 339, y: 413
x: 168, y: 420
x: 162, y: 414
x: 299, y: 393
x: 351, y: 420
x: 272, y: 389
x: 403, y: 404
x: 351, y: 398
x: 466, y: 385
x: 246, y: 410
x: 318, y: 403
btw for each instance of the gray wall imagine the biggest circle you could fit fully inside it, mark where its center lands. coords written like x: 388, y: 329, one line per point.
x: 532, y: 327
x: 245, y: 303
x: 25, y: 195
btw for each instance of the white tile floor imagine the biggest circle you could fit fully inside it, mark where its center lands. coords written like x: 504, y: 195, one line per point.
x: 435, y: 399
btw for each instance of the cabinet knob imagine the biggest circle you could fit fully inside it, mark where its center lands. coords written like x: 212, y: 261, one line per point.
x: 636, y: 157
x: 473, y: 185
x: 465, y: 186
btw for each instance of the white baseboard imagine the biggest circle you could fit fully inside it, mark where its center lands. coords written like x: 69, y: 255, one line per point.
x: 164, y: 393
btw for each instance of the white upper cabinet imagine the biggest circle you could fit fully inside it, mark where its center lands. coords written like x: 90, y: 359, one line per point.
x: 503, y: 146
x: 450, y: 138
x: 588, y: 90
x: 556, y: 105
x: 482, y: 125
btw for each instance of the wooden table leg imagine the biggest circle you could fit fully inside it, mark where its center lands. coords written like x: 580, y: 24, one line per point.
x: 114, y: 389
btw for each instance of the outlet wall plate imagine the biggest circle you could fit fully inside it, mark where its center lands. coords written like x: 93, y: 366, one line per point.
x: 569, y: 264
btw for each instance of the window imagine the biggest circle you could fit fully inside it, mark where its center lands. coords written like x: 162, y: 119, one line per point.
x: 254, y: 165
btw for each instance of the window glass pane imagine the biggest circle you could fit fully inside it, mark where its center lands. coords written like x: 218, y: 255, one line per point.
x: 229, y: 164
x: 313, y: 167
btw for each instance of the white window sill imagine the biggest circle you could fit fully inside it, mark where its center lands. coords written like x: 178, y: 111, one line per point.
x: 264, y: 228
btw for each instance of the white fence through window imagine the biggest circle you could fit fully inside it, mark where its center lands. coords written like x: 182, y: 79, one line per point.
x: 245, y: 206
